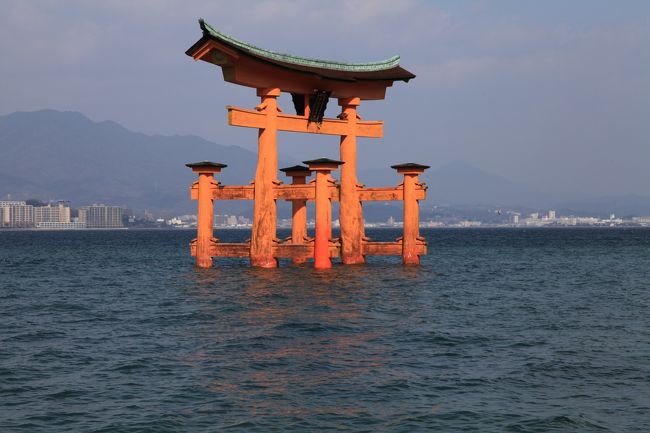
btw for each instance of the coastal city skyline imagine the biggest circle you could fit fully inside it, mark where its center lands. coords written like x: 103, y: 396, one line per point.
x: 59, y: 215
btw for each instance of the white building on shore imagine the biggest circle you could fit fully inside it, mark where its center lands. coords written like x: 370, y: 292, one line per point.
x: 99, y: 216
x: 16, y: 214
x: 47, y: 215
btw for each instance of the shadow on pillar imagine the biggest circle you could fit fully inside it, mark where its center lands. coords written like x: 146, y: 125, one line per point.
x: 203, y: 191
x: 411, y: 237
x: 323, y: 230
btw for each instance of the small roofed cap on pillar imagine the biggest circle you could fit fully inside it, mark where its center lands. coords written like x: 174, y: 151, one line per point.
x: 296, y: 170
x: 410, y: 167
x: 206, y: 166
x: 323, y: 164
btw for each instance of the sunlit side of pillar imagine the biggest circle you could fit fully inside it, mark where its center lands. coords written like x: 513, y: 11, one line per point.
x: 264, y: 206
x: 350, y: 213
x: 323, y: 229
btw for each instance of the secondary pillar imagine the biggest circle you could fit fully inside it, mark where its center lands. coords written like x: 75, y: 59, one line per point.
x: 264, y: 209
x: 205, y: 187
x: 298, y: 174
x: 410, y: 250
x: 351, y: 214
x: 323, y: 167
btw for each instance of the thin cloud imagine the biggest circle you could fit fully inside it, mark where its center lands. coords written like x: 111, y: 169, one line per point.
x: 499, y: 86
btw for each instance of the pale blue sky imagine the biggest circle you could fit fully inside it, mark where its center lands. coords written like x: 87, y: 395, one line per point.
x: 555, y: 94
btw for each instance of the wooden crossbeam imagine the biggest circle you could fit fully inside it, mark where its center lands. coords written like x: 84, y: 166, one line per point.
x: 243, y: 192
x: 292, y: 123
x: 281, y: 251
x: 290, y: 251
x: 296, y: 192
x: 388, y: 193
x: 241, y: 250
x: 389, y: 248
x: 307, y: 192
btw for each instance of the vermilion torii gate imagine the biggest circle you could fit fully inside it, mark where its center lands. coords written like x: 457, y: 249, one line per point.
x: 311, y: 83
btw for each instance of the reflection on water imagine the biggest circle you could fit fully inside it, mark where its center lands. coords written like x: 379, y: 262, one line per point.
x: 284, y: 334
x: 498, y: 330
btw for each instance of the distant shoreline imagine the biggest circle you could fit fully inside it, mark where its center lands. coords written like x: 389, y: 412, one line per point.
x: 482, y: 227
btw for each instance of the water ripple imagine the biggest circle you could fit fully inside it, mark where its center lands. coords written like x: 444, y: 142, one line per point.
x: 497, y: 331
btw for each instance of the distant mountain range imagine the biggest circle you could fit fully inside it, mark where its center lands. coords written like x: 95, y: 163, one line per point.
x: 461, y: 184
x: 52, y: 155
x: 64, y: 155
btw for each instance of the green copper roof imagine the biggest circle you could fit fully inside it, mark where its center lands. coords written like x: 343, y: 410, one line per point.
x: 382, y: 65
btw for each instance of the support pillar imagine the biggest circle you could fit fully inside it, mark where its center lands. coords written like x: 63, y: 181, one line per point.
x: 351, y: 214
x: 264, y: 207
x: 205, y: 187
x: 323, y: 167
x: 411, y: 172
x: 298, y: 174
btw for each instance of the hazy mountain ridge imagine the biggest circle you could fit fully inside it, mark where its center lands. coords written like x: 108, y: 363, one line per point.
x: 458, y: 183
x: 52, y: 155
x: 627, y: 205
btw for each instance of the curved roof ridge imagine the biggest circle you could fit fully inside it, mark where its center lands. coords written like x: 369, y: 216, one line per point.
x: 381, y: 65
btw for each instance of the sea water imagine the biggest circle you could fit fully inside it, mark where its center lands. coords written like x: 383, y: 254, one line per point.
x: 499, y: 330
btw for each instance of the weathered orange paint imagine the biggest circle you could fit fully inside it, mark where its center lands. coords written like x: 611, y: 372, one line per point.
x: 298, y: 216
x: 296, y: 192
x: 234, y: 192
x: 264, y: 208
x: 411, y: 237
x: 323, y: 229
x: 306, y: 250
x: 388, y: 193
x: 282, y: 250
x: 291, y: 123
x: 390, y: 248
x: 411, y: 221
x: 350, y: 214
x: 205, y: 215
x: 306, y: 192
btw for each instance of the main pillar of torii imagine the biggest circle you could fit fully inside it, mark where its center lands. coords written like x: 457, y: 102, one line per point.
x: 311, y: 83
